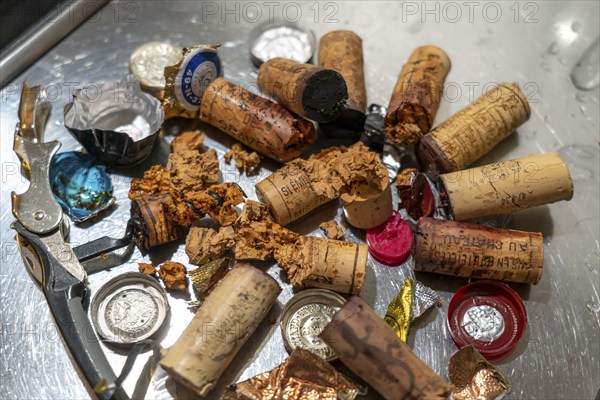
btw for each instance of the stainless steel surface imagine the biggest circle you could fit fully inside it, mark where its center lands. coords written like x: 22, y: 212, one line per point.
x: 536, y: 44
x: 42, y: 36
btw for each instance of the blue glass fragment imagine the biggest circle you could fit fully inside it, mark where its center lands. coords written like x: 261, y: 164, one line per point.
x: 81, y: 186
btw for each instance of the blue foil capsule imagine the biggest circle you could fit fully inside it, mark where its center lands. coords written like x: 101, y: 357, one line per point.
x: 80, y: 185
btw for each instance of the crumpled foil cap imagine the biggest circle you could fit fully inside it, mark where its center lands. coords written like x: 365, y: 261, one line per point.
x: 116, y: 123
x: 187, y: 80
x: 302, y: 376
x: 474, y: 378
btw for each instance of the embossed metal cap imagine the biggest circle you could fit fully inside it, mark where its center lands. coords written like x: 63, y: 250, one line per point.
x: 281, y: 39
x: 488, y: 315
x: 129, y: 308
x: 305, y: 316
x: 147, y: 63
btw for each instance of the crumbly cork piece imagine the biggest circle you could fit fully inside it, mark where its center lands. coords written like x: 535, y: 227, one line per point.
x: 206, y: 244
x: 258, y: 235
x: 332, y: 230
x: 147, y: 269
x: 244, y: 161
x: 173, y: 275
x: 188, y: 140
x: 155, y: 182
x: 218, y: 202
x: 405, y: 177
x: 192, y: 171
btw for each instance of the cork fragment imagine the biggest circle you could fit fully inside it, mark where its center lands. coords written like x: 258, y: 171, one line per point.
x: 192, y: 171
x: 476, y: 251
x: 173, y: 275
x: 207, y: 244
x: 217, y: 201
x: 188, y: 140
x: 312, y: 92
x: 332, y: 230
x: 475, y: 130
x: 156, y: 181
x: 323, y: 263
x: 156, y: 224
x: 507, y: 186
x: 147, y: 269
x: 245, y: 162
x: 258, y: 235
x: 257, y: 122
x: 417, y: 95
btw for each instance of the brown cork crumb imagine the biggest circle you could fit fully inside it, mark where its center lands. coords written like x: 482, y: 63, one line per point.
x: 248, y: 163
x: 155, y: 182
x: 440, y: 302
x: 332, y: 230
x: 218, y: 201
x: 352, y: 166
x: 405, y: 177
x: 291, y: 258
x: 147, y: 269
x: 192, y: 171
x: 258, y: 235
x: 206, y: 244
x: 188, y: 140
x: 173, y: 275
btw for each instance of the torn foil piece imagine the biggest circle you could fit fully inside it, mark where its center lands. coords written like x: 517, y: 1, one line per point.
x: 302, y: 376
x: 423, y: 299
x: 398, y: 314
x: 474, y: 378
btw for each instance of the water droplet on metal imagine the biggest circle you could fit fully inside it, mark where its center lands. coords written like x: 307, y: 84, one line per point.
x: 585, y: 74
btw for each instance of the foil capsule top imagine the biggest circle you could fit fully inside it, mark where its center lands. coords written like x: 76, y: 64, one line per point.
x: 80, y: 185
x: 187, y: 80
x: 117, y: 123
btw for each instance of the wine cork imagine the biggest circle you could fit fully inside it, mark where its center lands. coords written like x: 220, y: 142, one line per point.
x: 371, y: 349
x: 255, y: 121
x: 507, y: 186
x: 323, y: 263
x: 417, y: 95
x: 365, y: 206
x: 473, y: 131
x: 222, y: 324
x: 476, y: 251
x: 312, y: 92
x: 155, y: 226
x: 289, y: 192
x: 342, y: 51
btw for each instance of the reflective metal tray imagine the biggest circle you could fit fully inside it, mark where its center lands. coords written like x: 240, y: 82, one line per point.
x: 536, y: 44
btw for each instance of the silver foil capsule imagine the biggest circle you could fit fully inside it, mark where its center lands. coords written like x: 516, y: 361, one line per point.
x: 129, y: 308
x: 116, y: 123
x: 304, y: 317
x: 281, y: 39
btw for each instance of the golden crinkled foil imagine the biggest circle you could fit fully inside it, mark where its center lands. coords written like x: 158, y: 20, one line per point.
x: 171, y: 105
x: 302, y: 376
x: 205, y: 277
x: 473, y: 377
x: 399, y: 311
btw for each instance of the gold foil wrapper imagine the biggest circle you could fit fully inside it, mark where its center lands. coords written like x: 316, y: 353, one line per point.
x: 171, y: 106
x: 398, y: 313
x: 205, y: 277
x: 474, y: 378
x: 302, y: 376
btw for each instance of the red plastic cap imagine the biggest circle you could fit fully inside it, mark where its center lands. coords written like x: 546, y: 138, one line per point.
x: 390, y: 243
x: 488, y: 315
